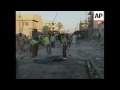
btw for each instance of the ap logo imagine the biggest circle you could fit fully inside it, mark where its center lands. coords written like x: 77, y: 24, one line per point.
x: 98, y: 16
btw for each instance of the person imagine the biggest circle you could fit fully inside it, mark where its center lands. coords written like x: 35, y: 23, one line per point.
x: 47, y: 44
x: 34, y: 47
x: 52, y: 40
x: 59, y: 39
x: 39, y: 37
x: 74, y: 39
x: 64, y: 44
x: 62, y: 35
x: 26, y: 43
x: 21, y: 42
x: 99, y: 37
x: 69, y: 40
x: 79, y: 35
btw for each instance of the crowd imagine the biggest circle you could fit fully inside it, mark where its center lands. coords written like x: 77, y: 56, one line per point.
x: 47, y: 40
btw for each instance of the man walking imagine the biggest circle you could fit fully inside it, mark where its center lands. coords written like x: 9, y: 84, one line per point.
x: 52, y: 40
x: 59, y: 39
x: 69, y: 40
x: 64, y: 44
x: 74, y: 39
x: 34, y: 47
x: 21, y: 42
x: 47, y: 44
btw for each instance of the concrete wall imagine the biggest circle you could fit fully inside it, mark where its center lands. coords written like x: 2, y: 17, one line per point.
x: 101, y: 30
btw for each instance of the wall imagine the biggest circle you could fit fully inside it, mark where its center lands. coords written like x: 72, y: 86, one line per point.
x: 101, y: 28
x: 28, y: 18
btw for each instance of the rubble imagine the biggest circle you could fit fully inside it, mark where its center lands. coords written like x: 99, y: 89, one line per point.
x: 98, y: 59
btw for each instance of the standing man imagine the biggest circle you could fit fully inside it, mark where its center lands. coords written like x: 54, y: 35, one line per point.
x: 52, y: 40
x: 99, y: 37
x: 62, y: 35
x: 39, y: 37
x: 26, y: 43
x: 74, y: 39
x: 69, y: 40
x: 59, y: 39
x: 47, y: 44
x: 34, y: 47
x: 79, y: 36
x: 64, y: 44
x: 21, y: 42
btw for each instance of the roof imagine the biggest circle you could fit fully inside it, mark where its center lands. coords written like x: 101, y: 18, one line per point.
x: 29, y: 17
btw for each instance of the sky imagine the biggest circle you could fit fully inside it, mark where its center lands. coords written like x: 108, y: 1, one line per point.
x: 69, y: 19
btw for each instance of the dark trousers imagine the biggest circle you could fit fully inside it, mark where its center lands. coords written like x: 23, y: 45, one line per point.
x: 35, y: 50
x: 48, y: 48
x: 53, y: 44
x: 64, y: 50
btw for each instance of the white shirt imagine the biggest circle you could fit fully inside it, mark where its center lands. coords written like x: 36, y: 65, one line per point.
x: 79, y: 35
x: 65, y: 40
x: 52, y: 38
x: 39, y: 36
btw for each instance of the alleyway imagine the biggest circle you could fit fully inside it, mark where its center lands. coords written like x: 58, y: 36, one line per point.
x: 75, y: 67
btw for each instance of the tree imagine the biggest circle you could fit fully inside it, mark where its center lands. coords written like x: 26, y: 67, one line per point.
x: 46, y: 29
x: 59, y: 25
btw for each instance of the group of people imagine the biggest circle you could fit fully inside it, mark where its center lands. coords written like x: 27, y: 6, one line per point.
x: 48, y: 41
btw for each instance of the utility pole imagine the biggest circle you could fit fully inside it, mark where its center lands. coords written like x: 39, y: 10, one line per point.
x: 19, y: 23
x: 80, y: 23
x: 53, y: 19
x: 86, y: 20
x: 77, y: 26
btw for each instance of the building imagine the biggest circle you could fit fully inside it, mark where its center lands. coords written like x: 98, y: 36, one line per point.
x: 83, y: 25
x: 93, y: 27
x: 25, y: 23
x: 53, y: 26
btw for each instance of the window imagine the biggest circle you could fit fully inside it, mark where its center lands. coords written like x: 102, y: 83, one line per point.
x: 26, y: 23
x: 52, y: 23
x: 53, y: 28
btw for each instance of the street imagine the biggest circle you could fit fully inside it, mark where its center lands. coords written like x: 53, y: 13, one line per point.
x: 74, y: 67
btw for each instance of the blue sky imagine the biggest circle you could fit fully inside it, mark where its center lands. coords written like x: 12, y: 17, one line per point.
x: 69, y: 19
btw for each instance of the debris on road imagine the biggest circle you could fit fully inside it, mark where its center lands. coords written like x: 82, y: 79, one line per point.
x: 98, y: 59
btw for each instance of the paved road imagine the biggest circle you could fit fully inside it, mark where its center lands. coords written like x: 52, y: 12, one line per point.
x: 73, y: 68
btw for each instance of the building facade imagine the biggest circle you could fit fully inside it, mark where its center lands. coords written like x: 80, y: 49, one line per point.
x: 27, y: 22
x: 83, y: 25
x: 53, y: 26
x: 93, y: 27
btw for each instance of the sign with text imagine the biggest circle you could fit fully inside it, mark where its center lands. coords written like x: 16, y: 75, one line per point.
x: 98, y: 16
